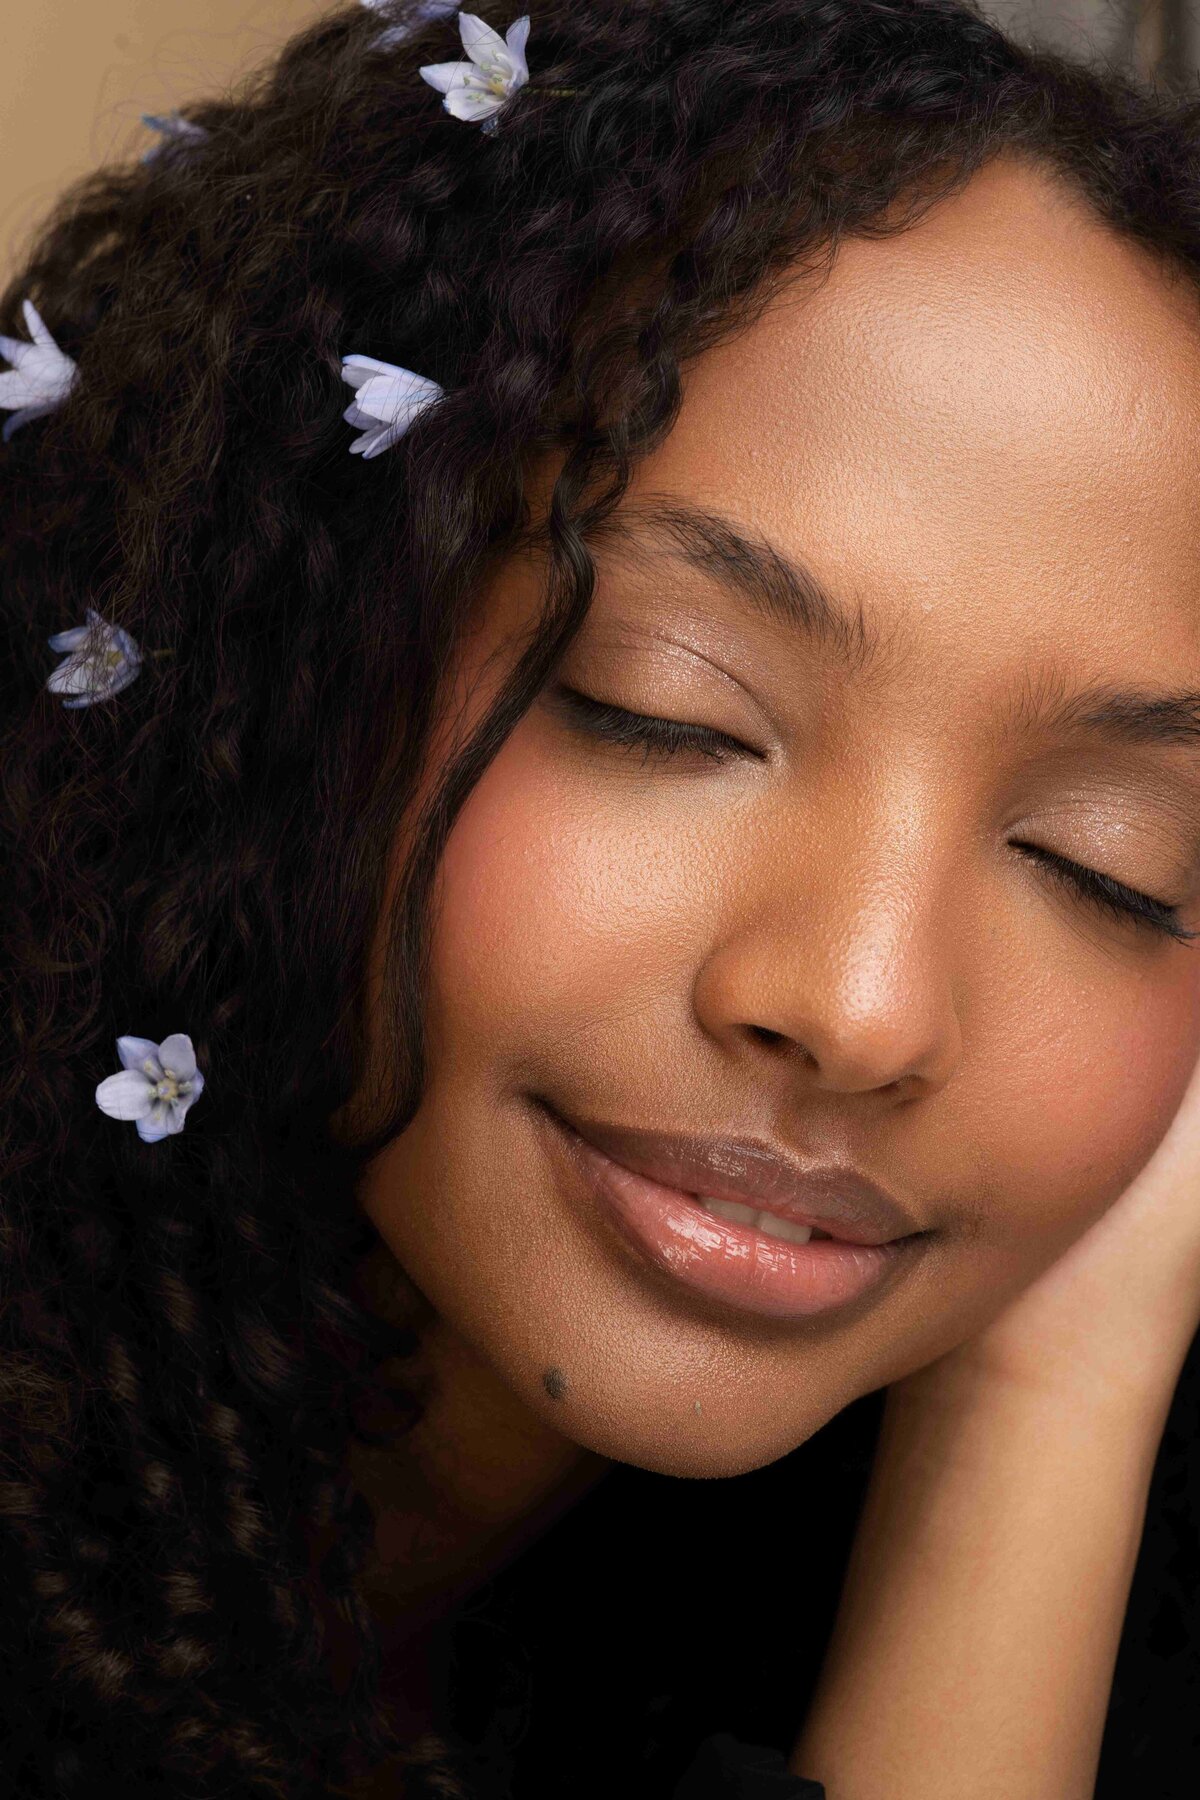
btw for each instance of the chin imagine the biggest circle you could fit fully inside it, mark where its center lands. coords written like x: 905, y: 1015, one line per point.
x: 705, y: 1446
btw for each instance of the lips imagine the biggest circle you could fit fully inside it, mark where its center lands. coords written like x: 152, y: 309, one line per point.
x: 828, y: 1196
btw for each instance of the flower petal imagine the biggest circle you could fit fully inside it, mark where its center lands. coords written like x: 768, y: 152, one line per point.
x: 155, y: 1126
x: 380, y: 384
x: 469, y: 104
x: 446, y: 75
x: 129, y: 647
x: 136, y: 1052
x: 92, y: 697
x: 374, y: 443
x: 174, y: 125
x: 397, y: 398
x: 395, y: 34
x: 125, y: 1096
x: 37, y: 328
x: 103, y: 660
x: 17, y: 386
x: 388, y: 397
x: 516, y: 38
x: 176, y: 1053
x: 120, y: 679
x: 357, y: 369
x: 23, y: 417
x: 76, y: 676
x: 481, y: 43
x: 41, y: 376
x: 68, y: 640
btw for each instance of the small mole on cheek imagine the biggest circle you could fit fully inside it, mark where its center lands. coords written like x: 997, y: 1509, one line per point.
x: 555, y: 1383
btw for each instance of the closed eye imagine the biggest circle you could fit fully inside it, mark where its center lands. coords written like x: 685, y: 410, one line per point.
x: 658, y: 737
x: 1110, y: 895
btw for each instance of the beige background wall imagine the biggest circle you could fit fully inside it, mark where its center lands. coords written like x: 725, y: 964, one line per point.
x: 76, y: 75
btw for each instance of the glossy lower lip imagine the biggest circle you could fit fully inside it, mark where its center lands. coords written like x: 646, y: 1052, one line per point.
x: 734, y: 1263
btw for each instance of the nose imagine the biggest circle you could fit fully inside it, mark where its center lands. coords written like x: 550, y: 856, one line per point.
x: 840, y: 964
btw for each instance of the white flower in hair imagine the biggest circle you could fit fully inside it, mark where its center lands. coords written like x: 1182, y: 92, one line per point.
x: 395, y: 34
x: 172, y: 126
x: 476, y: 90
x: 41, y: 376
x: 103, y: 659
x: 155, y: 1086
x: 386, y: 401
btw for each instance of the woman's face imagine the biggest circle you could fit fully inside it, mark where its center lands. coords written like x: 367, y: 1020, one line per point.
x: 982, y: 439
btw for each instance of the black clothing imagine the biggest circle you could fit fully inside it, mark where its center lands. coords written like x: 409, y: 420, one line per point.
x: 662, y: 1639
x: 726, y: 1769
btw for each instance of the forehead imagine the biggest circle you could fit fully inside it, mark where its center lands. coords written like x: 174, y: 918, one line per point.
x: 1000, y: 402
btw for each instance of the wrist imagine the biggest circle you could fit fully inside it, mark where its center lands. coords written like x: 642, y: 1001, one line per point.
x: 1135, y: 1389
x: 981, y: 1610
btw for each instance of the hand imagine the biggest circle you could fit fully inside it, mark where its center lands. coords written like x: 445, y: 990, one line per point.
x: 1119, y: 1309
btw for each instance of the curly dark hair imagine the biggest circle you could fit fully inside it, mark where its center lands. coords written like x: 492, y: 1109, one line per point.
x: 185, y: 1351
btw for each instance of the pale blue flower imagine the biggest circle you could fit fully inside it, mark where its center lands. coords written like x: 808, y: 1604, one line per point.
x: 103, y: 659
x: 41, y: 376
x: 155, y: 1086
x: 386, y: 401
x: 396, y: 34
x: 476, y: 90
x: 174, y: 128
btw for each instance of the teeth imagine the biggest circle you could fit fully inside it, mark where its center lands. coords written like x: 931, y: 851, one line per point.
x: 770, y: 1224
x: 730, y: 1209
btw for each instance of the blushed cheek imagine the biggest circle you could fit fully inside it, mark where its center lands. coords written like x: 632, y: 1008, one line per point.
x: 523, y: 919
x: 1084, y: 1108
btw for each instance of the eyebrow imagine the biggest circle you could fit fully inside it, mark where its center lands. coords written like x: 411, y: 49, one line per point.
x: 777, y: 587
x: 782, y: 590
x: 1125, y: 716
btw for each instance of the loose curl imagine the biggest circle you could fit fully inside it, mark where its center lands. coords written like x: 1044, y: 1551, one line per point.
x: 185, y: 1354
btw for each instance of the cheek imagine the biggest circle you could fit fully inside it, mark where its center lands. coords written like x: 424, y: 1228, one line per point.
x: 1085, y: 1097
x: 552, y: 922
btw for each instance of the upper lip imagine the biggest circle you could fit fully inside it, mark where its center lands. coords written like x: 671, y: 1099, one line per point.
x: 831, y: 1197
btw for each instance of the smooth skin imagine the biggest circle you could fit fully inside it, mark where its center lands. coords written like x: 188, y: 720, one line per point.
x: 982, y: 437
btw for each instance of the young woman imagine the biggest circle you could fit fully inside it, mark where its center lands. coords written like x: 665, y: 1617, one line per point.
x: 722, y: 760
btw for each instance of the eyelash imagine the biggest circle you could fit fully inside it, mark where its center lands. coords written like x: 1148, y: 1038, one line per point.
x: 1113, y: 896
x: 668, y: 737
x: 658, y: 737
